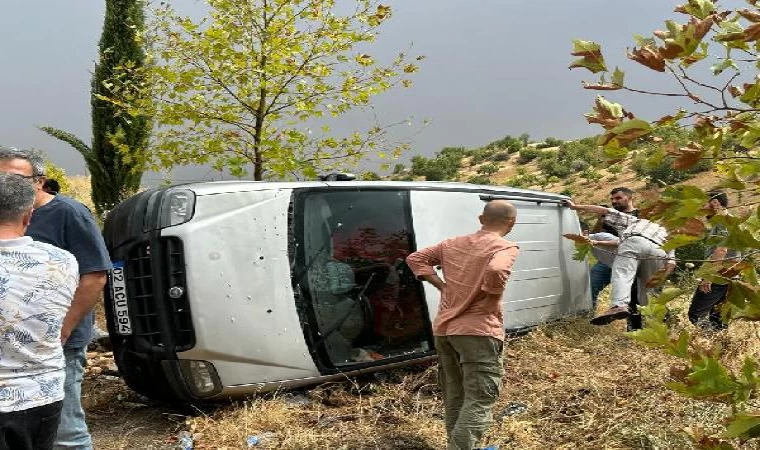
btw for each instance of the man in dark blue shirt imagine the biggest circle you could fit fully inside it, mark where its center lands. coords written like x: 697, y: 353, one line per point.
x: 67, y: 224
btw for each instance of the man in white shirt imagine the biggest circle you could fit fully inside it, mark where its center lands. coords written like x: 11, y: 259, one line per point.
x: 37, y: 284
x: 639, y: 257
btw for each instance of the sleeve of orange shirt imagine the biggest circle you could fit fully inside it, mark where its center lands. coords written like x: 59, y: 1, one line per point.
x: 423, y: 262
x: 498, y: 270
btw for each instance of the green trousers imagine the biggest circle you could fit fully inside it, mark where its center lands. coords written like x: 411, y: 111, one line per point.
x: 470, y: 369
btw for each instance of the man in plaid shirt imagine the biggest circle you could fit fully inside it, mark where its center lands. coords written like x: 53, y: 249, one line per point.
x: 639, y: 258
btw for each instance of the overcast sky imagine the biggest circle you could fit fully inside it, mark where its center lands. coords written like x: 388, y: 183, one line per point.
x: 492, y: 68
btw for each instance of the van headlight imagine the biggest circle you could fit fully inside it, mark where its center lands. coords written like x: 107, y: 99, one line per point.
x: 177, y: 207
x: 200, y: 377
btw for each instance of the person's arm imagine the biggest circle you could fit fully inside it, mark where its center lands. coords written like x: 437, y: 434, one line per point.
x: 85, y: 297
x: 498, y: 271
x: 605, y: 243
x: 423, y: 263
x: 661, y: 275
x: 85, y: 242
x: 594, y: 209
x: 718, y: 254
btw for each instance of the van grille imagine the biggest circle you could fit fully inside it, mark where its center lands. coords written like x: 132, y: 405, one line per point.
x: 182, y: 329
x: 146, y: 313
x: 142, y: 303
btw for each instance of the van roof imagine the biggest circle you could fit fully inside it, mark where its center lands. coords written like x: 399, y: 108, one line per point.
x: 219, y: 187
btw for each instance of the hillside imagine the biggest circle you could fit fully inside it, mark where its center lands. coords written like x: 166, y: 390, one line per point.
x: 576, y: 168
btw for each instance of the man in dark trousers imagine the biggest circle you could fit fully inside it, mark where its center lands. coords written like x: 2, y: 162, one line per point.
x: 69, y: 225
x: 469, y: 326
x: 703, y: 310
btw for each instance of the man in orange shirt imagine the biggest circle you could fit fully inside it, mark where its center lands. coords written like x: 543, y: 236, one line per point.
x: 469, y: 327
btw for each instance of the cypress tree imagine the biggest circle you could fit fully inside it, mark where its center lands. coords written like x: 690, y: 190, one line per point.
x: 115, y: 157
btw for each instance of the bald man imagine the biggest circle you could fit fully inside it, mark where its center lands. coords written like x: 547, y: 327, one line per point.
x: 469, y: 327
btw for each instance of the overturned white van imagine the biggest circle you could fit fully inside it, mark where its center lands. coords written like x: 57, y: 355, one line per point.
x: 224, y: 289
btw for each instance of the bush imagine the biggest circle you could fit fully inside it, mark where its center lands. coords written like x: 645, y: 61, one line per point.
x: 479, y: 179
x: 550, y: 142
x: 398, y: 168
x: 371, y: 176
x: 480, y: 155
x: 508, y: 143
x: 527, y: 155
x: 488, y: 169
x: 553, y: 168
x: 443, y: 167
x: 500, y: 156
x: 591, y: 174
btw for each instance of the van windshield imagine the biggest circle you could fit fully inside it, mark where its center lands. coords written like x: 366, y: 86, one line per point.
x: 367, y: 304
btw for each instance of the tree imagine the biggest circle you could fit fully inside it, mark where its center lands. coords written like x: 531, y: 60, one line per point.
x: 243, y: 86
x: 723, y: 114
x: 115, y: 157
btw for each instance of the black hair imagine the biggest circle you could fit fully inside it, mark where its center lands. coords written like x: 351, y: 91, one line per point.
x: 624, y: 190
x: 51, y: 186
x: 720, y: 196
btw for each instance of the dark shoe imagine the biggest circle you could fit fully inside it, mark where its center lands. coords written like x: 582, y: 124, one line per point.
x: 634, y: 322
x: 611, y: 315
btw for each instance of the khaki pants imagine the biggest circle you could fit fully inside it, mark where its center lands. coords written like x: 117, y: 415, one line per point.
x: 470, y: 369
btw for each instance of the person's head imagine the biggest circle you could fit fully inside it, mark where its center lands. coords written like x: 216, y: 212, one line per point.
x: 29, y: 165
x: 498, y: 216
x: 51, y: 186
x: 621, y: 199
x: 717, y: 201
x: 16, y: 203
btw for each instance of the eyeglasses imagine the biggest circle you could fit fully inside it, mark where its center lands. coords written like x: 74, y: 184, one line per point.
x: 27, y: 177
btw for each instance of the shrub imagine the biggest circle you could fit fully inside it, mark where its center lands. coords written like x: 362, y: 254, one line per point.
x: 398, y: 168
x: 479, y: 179
x: 552, y: 167
x: 371, y: 176
x: 488, y: 169
x: 550, y: 142
x: 528, y: 154
x: 500, y: 156
x: 481, y: 155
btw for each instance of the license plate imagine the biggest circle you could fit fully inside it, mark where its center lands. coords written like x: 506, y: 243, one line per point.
x: 119, y: 296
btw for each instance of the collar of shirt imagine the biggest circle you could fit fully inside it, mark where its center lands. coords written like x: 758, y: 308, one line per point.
x: 16, y: 242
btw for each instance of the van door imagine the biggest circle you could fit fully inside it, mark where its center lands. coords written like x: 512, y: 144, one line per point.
x: 360, y: 303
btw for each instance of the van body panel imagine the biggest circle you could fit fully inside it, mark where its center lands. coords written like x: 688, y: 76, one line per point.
x: 238, y: 283
x: 535, y: 291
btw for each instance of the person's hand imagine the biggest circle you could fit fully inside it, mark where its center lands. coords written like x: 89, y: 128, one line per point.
x: 65, y: 334
x: 579, y: 238
x: 568, y: 203
x: 705, y: 287
x: 661, y: 275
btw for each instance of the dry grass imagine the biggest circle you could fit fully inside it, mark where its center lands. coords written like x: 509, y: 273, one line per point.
x: 584, y: 387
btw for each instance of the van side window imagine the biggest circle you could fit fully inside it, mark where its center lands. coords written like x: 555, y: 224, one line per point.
x: 367, y: 303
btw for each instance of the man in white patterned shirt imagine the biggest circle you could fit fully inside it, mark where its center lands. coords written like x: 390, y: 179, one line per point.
x: 639, y: 257
x: 37, y: 284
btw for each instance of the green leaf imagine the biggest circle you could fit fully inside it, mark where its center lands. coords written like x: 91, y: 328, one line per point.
x: 700, y: 9
x: 591, y: 56
x: 582, y: 251
x: 679, y: 240
x: 618, y: 77
x: 708, y: 379
x: 743, y: 426
x: 727, y: 63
